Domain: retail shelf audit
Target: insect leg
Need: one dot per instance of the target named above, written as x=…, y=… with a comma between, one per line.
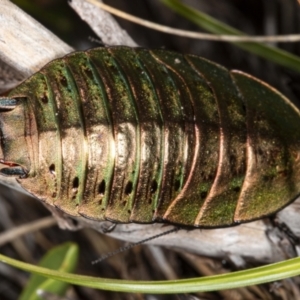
x=7, y=104
x=12, y=169
x=109, y=228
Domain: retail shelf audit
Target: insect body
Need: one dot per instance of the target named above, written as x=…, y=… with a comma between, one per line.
x=136, y=135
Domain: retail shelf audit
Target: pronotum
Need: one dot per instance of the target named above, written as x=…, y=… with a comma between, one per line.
x=136, y=135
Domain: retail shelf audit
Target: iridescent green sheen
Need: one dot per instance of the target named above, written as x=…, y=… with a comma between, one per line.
x=136, y=135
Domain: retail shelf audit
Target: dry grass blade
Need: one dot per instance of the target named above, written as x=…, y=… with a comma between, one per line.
x=288, y=38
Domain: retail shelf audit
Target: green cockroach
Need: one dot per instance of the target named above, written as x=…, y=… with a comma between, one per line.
x=137, y=135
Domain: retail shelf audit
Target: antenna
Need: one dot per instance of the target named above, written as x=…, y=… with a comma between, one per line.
x=125, y=248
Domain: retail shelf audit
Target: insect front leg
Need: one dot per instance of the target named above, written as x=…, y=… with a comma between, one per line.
x=13, y=169
x=7, y=104
x=13, y=119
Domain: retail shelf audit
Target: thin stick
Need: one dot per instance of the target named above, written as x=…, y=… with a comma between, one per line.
x=11, y=234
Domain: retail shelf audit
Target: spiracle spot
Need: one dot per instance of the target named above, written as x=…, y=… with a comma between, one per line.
x=44, y=99
x=128, y=188
x=203, y=194
x=237, y=189
x=63, y=81
x=52, y=169
x=232, y=159
x=75, y=187
x=75, y=182
x=153, y=187
x=177, y=185
x=101, y=187
x=211, y=176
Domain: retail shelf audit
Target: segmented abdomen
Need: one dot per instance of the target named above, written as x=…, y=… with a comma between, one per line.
x=133, y=135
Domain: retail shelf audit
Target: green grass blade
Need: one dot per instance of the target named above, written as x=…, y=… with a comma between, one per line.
x=269, y=273
x=212, y=25
x=61, y=258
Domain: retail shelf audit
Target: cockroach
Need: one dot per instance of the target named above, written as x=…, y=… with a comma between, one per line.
x=143, y=136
